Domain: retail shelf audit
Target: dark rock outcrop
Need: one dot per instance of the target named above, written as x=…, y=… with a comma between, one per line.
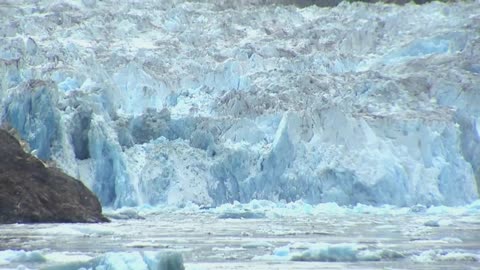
x=31, y=192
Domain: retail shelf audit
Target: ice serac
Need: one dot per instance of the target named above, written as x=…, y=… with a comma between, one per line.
x=182, y=101
x=31, y=109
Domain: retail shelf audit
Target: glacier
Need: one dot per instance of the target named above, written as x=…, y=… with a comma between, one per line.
x=176, y=102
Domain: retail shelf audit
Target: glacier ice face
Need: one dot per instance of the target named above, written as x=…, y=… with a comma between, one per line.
x=31, y=110
x=203, y=102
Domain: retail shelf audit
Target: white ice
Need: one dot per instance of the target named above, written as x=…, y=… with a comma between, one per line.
x=175, y=102
x=324, y=252
x=147, y=260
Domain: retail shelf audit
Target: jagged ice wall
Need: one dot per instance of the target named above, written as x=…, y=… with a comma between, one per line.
x=153, y=102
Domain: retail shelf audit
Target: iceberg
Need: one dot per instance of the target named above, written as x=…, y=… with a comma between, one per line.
x=181, y=102
x=430, y=256
x=323, y=252
x=147, y=260
x=20, y=256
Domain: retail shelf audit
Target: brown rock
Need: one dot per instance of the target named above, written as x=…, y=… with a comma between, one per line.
x=31, y=192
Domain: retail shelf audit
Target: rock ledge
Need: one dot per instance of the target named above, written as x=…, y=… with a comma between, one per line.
x=31, y=192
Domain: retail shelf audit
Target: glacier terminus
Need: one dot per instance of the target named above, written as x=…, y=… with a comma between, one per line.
x=200, y=101
x=175, y=102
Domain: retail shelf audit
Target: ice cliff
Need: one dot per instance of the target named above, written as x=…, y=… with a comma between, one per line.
x=152, y=102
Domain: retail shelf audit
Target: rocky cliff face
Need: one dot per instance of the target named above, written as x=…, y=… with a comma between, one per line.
x=31, y=192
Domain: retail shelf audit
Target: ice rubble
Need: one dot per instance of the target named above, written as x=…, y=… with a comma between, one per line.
x=323, y=252
x=264, y=209
x=176, y=102
x=348, y=252
x=146, y=260
x=429, y=256
x=20, y=256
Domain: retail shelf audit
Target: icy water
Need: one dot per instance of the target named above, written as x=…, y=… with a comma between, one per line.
x=248, y=238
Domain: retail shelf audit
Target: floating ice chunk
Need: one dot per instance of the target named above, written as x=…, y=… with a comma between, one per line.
x=94, y=229
x=74, y=229
x=23, y=267
x=418, y=208
x=279, y=254
x=300, y=208
x=148, y=260
x=241, y=215
x=344, y=252
x=20, y=256
x=474, y=207
x=460, y=256
x=123, y=261
x=257, y=244
x=59, y=230
x=123, y=213
x=451, y=240
x=432, y=223
x=330, y=253
x=429, y=256
x=66, y=257
x=443, y=210
x=383, y=210
x=164, y=260
x=151, y=244
x=282, y=252
x=378, y=255
x=68, y=261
